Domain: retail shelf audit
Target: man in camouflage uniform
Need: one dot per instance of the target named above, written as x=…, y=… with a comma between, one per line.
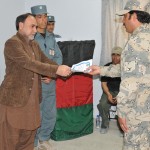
x=133, y=100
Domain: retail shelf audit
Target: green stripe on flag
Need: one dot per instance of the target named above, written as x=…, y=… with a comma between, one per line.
x=73, y=122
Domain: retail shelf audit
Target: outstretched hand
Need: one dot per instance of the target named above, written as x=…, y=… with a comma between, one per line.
x=93, y=70
x=64, y=71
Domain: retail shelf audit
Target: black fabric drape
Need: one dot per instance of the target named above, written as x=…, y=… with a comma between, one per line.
x=75, y=51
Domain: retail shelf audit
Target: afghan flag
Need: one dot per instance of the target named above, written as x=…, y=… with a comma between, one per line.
x=74, y=99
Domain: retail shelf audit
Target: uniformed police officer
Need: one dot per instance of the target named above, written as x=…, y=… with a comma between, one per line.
x=133, y=100
x=48, y=105
x=51, y=27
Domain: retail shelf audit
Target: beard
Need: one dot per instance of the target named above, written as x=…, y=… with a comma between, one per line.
x=31, y=37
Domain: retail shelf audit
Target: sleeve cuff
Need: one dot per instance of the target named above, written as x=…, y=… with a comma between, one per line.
x=121, y=114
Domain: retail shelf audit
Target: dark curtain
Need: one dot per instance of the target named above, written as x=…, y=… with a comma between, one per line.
x=75, y=51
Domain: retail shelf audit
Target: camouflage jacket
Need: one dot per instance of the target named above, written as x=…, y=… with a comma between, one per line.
x=133, y=99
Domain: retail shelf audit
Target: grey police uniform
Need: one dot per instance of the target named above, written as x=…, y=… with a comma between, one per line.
x=48, y=105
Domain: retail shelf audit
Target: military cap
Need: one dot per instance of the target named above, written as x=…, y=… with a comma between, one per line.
x=51, y=18
x=39, y=9
x=117, y=50
x=140, y=5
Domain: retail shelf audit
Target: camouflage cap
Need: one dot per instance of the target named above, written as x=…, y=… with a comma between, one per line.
x=39, y=9
x=117, y=50
x=51, y=18
x=140, y=5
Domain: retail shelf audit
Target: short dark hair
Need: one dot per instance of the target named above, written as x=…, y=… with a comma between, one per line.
x=22, y=18
x=142, y=16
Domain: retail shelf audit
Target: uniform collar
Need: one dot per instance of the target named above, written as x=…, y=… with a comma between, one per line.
x=46, y=32
x=140, y=28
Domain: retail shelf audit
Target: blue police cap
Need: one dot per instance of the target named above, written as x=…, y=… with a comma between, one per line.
x=39, y=9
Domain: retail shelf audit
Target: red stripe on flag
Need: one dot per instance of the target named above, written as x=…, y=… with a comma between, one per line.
x=74, y=91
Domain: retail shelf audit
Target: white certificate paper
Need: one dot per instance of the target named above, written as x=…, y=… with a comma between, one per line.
x=82, y=66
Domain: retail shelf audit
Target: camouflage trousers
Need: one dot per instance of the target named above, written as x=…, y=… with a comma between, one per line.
x=138, y=136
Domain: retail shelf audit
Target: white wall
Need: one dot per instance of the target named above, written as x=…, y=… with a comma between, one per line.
x=9, y=10
x=75, y=20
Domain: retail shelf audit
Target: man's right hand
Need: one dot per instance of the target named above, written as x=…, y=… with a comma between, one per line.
x=64, y=71
x=123, y=124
